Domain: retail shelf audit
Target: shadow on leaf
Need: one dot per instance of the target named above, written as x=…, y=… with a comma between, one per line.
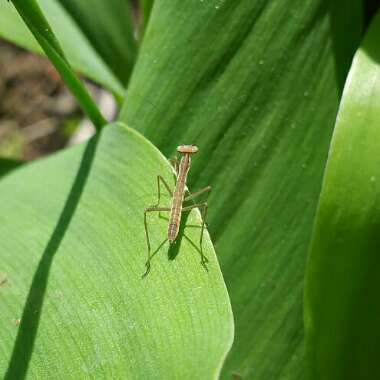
x=24, y=344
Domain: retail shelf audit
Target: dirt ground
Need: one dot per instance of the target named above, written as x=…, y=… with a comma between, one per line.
x=37, y=114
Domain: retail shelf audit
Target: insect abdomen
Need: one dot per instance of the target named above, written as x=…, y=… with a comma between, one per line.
x=175, y=220
x=173, y=231
x=176, y=209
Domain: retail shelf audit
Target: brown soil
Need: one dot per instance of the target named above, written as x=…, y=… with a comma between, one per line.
x=33, y=105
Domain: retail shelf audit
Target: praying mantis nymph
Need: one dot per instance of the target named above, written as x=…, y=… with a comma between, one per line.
x=178, y=197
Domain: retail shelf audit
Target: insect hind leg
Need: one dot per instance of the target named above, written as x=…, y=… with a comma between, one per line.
x=203, y=207
x=197, y=193
x=150, y=209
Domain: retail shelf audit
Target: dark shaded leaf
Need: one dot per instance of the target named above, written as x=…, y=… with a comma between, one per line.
x=108, y=26
x=342, y=308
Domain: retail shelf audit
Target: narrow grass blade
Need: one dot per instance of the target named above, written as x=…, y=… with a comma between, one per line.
x=38, y=25
x=78, y=50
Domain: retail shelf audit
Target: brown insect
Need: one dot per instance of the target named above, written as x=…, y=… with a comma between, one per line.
x=178, y=197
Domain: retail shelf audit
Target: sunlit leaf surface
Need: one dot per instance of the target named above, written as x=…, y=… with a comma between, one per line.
x=73, y=304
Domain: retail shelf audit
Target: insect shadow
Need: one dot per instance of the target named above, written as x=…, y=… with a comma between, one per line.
x=175, y=247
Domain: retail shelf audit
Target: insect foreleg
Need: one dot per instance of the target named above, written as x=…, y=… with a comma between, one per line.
x=159, y=180
x=175, y=163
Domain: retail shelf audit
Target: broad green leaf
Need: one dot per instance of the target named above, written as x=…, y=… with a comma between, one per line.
x=108, y=26
x=73, y=304
x=342, y=305
x=33, y=17
x=76, y=47
x=256, y=85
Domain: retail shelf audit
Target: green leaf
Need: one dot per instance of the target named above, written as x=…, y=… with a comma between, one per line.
x=73, y=252
x=343, y=278
x=256, y=85
x=7, y=165
x=38, y=25
x=145, y=9
x=76, y=47
x=108, y=26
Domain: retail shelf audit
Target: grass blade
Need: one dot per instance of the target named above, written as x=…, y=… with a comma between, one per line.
x=38, y=25
x=78, y=50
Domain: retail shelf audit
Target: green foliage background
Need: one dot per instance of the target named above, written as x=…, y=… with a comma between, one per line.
x=257, y=86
